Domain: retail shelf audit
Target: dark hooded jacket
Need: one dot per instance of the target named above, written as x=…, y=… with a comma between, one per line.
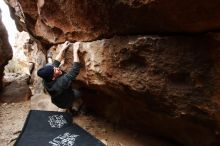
x=60, y=89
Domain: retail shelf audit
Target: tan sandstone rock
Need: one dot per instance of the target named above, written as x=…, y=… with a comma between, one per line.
x=163, y=85
x=55, y=21
x=17, y=89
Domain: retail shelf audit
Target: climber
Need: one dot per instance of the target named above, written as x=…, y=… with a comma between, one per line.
x=58, y=82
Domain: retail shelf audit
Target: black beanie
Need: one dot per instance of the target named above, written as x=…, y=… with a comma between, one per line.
x=46, y=72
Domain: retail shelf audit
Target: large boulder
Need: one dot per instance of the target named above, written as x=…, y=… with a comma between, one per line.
x=168, y=86
x=16, y=88
x=5, y=49
x=164, y=85
x=55, y=21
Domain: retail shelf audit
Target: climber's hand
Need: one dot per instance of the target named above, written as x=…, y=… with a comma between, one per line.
x=76, y=47
x=65, y=46
x=49, y=54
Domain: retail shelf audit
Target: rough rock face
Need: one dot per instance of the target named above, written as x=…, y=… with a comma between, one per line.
x=36, y=56
x=55, y=20
x=164, y=85
x=16, y=88
x=5, y=49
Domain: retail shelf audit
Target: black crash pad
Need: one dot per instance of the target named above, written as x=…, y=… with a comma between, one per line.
x=47, y=128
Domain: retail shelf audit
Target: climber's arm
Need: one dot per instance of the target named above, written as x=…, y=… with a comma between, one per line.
x=75, y=52
x=65, y=81
x=50, y=61
x=74, y=71
x=60, y=55
x=58, y=58
x=49, y=58
x=72, y=74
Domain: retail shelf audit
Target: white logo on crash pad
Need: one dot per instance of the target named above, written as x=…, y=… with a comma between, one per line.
x=57, y=121
x=66, y=139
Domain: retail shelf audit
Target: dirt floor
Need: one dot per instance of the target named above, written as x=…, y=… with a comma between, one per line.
x=116, y=136
x=13, y=115
x=12, y=118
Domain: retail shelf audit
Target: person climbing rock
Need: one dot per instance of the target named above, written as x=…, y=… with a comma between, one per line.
x=58, y=83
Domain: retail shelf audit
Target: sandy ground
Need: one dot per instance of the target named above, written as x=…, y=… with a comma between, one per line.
x=12, y=118
x=116, y=136
x=13, y=115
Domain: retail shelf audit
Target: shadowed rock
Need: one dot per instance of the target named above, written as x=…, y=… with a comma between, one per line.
x=16, y=89
x=168, y=86
x=5, y=49
x=55, y=21
x=164, y=85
